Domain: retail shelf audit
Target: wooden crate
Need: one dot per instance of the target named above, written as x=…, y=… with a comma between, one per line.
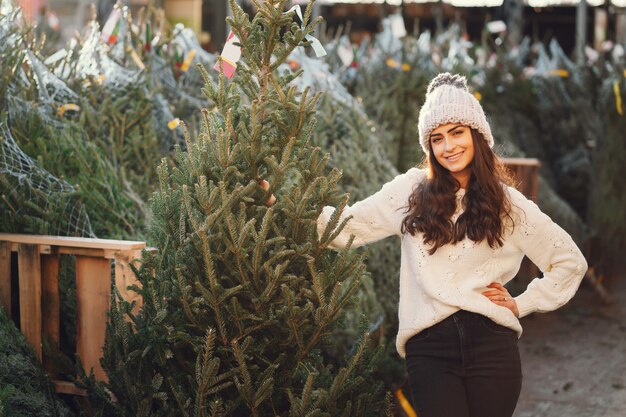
x=525, y=173
x=38, y=282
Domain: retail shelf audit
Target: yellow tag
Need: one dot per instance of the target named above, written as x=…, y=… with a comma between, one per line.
x=101, y=78
x=173, y=124
x=406, y=67
x=404, y=403
x=66, y=107
x=559, y=72
x=392, y=63
x=185, y=66
x=618, y=98
x=478, y=95
x=136, y=59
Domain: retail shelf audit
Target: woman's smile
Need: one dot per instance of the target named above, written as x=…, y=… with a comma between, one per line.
x=453, y=147
x=454, y=157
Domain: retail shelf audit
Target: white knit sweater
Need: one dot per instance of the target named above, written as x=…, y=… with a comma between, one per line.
x=434, y=287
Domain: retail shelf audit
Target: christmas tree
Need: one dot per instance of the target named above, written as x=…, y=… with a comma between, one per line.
x=25, y=390
x=568, y=124
x=241, y=297
x=607, y=199
x=355, y=144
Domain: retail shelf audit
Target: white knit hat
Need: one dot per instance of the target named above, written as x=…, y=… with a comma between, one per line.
x=448, y=101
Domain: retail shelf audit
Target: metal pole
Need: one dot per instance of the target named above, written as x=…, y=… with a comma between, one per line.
x=581, y=32
x=514, y=17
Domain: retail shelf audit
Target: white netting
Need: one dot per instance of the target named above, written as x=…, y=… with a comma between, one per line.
x=184, y=88
x=34, y=198
x=25, y=180
x=318, y=77
x=44, y=96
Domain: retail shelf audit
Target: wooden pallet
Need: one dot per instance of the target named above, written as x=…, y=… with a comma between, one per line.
x=38, y=286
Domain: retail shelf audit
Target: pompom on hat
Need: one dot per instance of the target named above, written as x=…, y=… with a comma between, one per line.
x=449, y=101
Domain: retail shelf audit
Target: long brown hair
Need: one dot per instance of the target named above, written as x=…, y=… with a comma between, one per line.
x=432, y=204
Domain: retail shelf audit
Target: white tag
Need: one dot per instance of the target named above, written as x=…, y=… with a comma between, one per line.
x=346, y=54
x=497, y=26
x=397, y=26
x=591, y=54
x=315, y=43
x=58, y=55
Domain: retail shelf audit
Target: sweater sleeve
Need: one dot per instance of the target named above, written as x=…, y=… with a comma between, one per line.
x=554, y=252
x=376, y=217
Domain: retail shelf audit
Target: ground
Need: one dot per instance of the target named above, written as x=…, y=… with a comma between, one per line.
x=574, y=359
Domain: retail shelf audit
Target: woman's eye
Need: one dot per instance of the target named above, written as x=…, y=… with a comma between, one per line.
x=435, y=140
x=458, y=132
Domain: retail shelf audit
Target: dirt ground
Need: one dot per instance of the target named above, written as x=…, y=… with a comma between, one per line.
x=574, y=359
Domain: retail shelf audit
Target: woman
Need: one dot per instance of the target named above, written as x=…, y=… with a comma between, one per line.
x=463, y=235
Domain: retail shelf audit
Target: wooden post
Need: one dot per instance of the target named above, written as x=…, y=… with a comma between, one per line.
x=50, y=303
x=29, y=269
x=620, y=27
x=93, y=294
x=124, y=277
x=5, y=276
x=437, y=12
x=601, y=22
x=581, y=31
x=514, y=12
x=187, y=12
x=525, y=172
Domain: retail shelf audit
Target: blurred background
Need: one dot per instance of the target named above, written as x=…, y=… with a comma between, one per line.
x=597, y=21
x=92, y=95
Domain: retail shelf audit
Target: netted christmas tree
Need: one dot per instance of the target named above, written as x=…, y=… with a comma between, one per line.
x=568, y=124
x=241, y=297
x=508, y=94
x=33, y=199
x=81, y=128
x=355, y=144
x=391, y=83
x=607, y=199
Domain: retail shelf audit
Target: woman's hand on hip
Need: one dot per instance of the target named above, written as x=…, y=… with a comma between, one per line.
x=500, y=296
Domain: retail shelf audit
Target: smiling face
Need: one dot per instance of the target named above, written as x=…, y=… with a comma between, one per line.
x=453, y=147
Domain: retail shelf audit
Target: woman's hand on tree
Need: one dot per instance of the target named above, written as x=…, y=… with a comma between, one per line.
x=266, y=186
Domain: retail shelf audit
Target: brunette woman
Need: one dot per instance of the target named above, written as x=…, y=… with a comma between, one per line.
x=463, y=235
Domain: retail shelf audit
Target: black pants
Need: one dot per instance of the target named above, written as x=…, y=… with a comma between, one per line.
x=464, y=366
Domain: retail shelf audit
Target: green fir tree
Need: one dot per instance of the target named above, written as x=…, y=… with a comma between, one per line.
x=354, y=143
x=25, y=390
x=241, y=299
x=607, y=199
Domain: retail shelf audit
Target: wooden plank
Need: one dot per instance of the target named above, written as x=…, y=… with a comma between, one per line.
x=93, y=293
x=5, y=276
x=29, y=271
x=75, y=242
x=124, y=277
x=43, y=249
x=521, y=161
x=50, y=301
x=596, y=282
x=96, y=253
x=525, y=171
x=526, y=175
x=64, y=387
x=65, y=250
